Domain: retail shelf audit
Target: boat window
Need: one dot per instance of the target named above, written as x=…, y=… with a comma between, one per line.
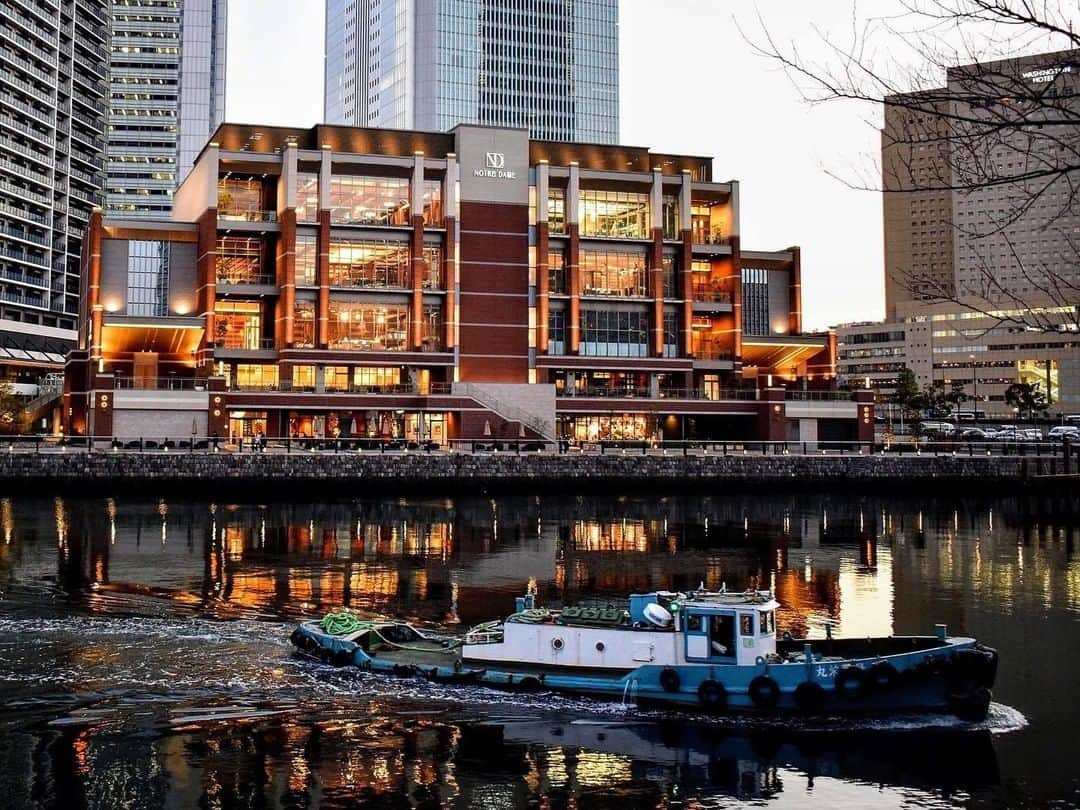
x=693, y=623
x=722, y=635
x=767, y=622
x=746, y=624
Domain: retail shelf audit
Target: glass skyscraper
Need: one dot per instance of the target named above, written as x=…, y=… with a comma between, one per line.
x=166, y=96
x=549, y=66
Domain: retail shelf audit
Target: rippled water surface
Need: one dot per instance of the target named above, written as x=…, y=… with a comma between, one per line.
x=144, y=659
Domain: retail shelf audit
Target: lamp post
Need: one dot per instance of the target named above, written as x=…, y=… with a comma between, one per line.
x=974, y=392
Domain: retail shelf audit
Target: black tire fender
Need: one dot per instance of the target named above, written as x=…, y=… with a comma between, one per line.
x=764, y=692
x=712, y=695
x=810, y=697
x=669, y=679
x=883, y=676
x=971, y=707
x=850, y=683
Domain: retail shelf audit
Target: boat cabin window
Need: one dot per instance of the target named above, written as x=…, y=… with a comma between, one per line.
x=722, y=634
x=746, y=624
x=693, y=623
x=767, y=622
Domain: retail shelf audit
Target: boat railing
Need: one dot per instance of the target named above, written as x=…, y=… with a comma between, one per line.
x=484, y=637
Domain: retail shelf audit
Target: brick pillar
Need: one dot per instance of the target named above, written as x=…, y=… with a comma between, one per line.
x=322, y=278
x=865, y=415
x=573, y=258
x=419, y=266
x=449, y=280
x=217, y=419
x=795, y=293
x=686, y=290
x=206, y=280
x=543, y=288
x=772, y=418
x=285, y=272
x=656, y=288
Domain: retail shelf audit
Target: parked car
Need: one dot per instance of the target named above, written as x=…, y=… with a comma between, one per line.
x=977, y=434
x=939, y=429
x=1015, y=434
x=1062, y=432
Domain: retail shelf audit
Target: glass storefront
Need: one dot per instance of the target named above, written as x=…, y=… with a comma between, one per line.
x=363, y=200
x=387, y=425
x=615, y=273
x=620, y=214
x=609, y=427
x=368, y=327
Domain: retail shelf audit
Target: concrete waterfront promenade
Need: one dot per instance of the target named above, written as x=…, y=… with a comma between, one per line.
x=464, y=470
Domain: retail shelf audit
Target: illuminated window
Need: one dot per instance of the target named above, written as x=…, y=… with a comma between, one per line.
x=615, y=214
x=148, y=277
x=307, y=250
x=358, y=200
x=368, y=327
x=615, y=273
x=307, y=197
x=304, y=324
x=369, y=264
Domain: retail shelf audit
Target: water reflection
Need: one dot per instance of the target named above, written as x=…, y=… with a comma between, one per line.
x=115, y=667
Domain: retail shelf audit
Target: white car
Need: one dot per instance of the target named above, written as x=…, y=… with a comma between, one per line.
x=1015, y=434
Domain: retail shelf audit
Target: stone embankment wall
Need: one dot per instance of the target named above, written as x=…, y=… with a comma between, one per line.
x=418, y=472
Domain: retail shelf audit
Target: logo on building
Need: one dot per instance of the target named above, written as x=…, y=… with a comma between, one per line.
x=495, y=167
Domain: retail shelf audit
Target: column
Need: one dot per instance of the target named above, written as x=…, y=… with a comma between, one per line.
x=418, y=265
x=543, y=291
x=450, y=279
x=656, y=262
x=573, y=198
x=322, y=265
x=686, y=287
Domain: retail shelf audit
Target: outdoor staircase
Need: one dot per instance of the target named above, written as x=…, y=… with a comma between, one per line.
x=530, y=405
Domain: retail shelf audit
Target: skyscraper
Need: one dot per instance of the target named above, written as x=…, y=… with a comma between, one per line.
x=52, y=78
x=166, y=95
x=549, y=66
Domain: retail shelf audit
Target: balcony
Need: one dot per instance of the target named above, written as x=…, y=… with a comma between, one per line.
x=231, y=215
x=709, y=294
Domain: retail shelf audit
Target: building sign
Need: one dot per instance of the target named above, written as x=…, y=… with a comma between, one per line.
x=495, y=166
x=1046, y=75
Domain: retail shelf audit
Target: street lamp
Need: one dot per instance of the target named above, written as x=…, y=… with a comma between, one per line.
x=974, y=391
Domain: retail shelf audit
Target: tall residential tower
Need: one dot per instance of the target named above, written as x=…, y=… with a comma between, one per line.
x=52, y=79
x=548, y=66
x=166, y=95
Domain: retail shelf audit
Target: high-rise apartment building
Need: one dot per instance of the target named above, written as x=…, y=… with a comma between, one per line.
x=166, y=95
x=548, y=66
x=53, y=63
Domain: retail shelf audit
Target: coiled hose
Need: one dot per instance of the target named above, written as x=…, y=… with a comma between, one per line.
x=342, y=623
x=530, y=616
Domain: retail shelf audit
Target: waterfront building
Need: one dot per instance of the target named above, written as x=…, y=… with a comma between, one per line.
x=340, y=281
x=166, y=96
x=549, y=67
x=949, y=343
x=52, y=82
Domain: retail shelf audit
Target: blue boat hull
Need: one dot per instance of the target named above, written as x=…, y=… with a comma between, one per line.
x=955, y=676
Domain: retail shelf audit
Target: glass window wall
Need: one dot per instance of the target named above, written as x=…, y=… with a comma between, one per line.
x=307, y=197
x=556, y=331
x=376, y=379
x=671, y=216
x=558, y=284
x=307, y=255
x=252, y=376
x=303, y=378
x=304, y=324
x=240, y=261
x=360, y=200
x=621, y=214
x=433, y=207
x=433, y=263
x=431, y=331
x=238, y=325
x=335, y=378
x=148, y=277
x=368, y=327
x=608, y=333
x=671, y=334
x=242, y=199
x=615, y=273
x=556, y=210
x=369, y=263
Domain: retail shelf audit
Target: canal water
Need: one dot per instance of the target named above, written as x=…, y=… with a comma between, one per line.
x=144, y=659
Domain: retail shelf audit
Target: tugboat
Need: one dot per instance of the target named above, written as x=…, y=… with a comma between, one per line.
x=713, y=651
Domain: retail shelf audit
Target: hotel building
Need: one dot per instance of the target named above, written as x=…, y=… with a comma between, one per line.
x=551, y=68
x=1002, y=250
x=424, y=286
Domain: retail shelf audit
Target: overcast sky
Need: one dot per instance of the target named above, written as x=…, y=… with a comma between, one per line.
x=689, y=83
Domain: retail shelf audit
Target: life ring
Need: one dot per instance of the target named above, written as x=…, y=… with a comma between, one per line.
x=556, y=644
x=764, y=691
x=529, y=684
x=850, y=683
x=712, y=695
x=669, y=679
x=883, y=676
x=810, y=697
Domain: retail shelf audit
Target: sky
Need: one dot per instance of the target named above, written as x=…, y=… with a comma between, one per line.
x=689, y=83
